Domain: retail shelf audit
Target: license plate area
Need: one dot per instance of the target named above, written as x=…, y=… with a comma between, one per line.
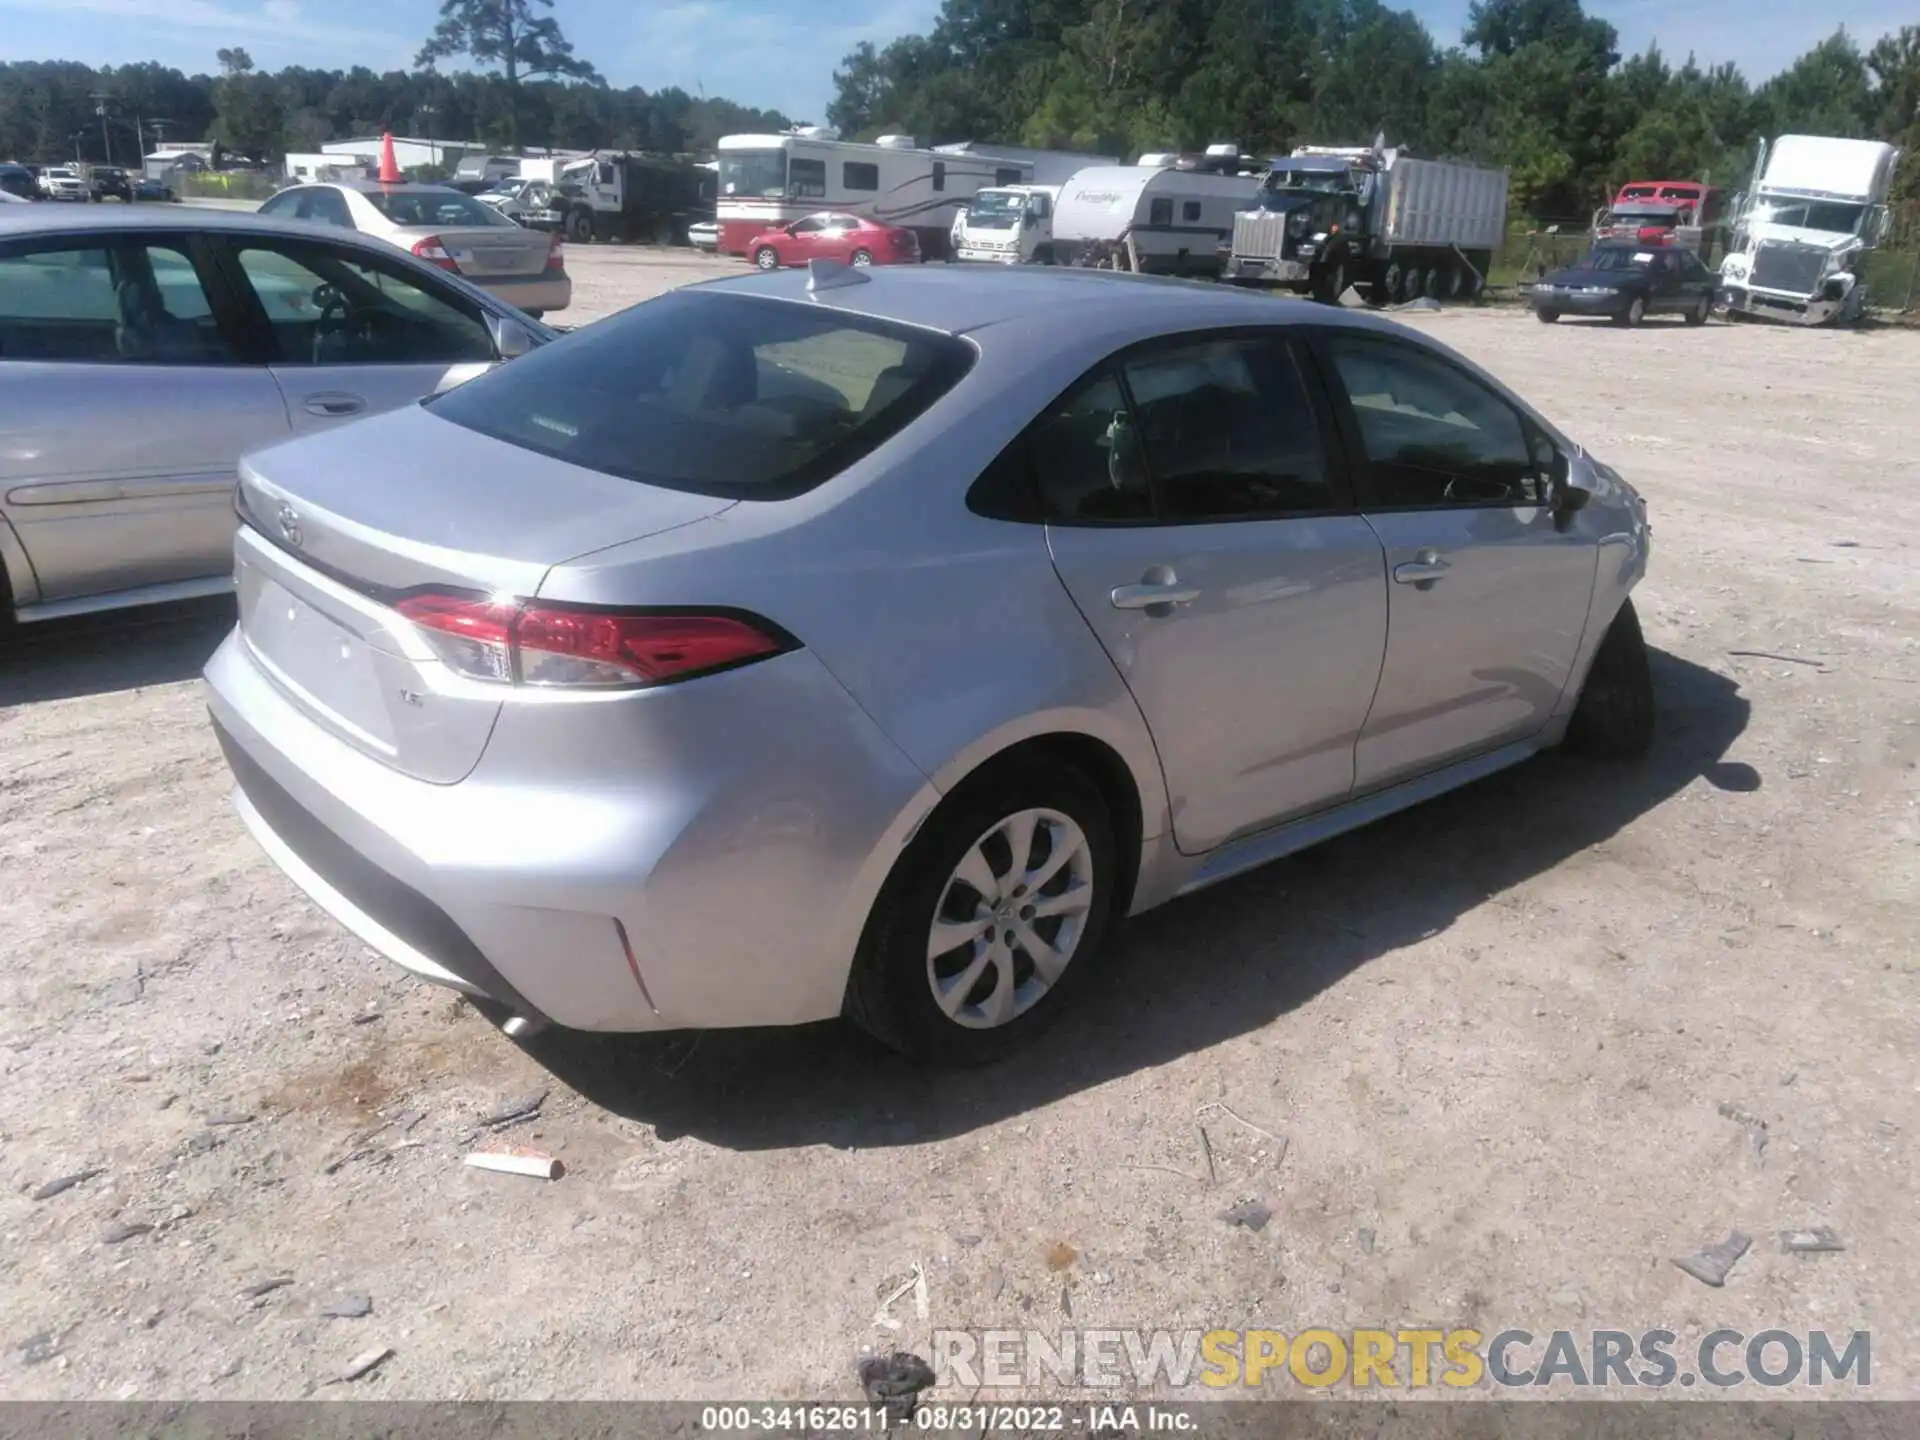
x=328, y=669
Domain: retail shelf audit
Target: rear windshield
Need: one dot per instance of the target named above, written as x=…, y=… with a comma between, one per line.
x=728, y=395
x=433, y=207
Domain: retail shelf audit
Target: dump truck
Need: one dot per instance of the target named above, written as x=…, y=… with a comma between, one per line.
x=1374, y=218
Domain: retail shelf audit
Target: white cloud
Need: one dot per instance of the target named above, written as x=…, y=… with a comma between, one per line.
x=277, y=24
x=781, y=55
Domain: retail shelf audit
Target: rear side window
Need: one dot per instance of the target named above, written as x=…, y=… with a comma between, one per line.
x=724, y=395
x=426, y=208
x=859, y=175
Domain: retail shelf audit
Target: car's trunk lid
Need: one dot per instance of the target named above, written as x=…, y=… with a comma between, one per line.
x=488, y=251
x=341, y=526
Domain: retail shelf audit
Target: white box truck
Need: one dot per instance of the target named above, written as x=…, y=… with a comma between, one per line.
x=1802, y=238
x=1374, y=218
x=1008, y=225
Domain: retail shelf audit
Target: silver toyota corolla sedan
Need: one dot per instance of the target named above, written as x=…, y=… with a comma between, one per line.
x=873, y=642
x=142, y=351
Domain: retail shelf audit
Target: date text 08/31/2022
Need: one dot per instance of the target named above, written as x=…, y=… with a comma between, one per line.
x=972, y=1419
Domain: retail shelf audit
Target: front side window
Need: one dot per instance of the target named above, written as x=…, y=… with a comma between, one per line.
x=807, y=177
x=860, y=175
x=722, y=395
x=1434, y=436
x=1228, y=431
x=130, y=303
x=339, y=307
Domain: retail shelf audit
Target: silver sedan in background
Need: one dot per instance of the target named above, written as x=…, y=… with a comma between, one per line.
x=871, y=643
x=143, y=351
x=446, y=228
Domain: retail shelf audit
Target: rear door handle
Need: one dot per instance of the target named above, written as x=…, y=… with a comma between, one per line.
x=1148, y=594
x=1423, y=571
x=335, y=403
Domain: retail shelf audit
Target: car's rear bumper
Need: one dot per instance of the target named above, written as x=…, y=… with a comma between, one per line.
x=545, y=293
x=619, y=864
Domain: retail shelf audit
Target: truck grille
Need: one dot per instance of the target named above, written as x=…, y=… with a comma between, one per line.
x=1259, y=236
x=1788, y=267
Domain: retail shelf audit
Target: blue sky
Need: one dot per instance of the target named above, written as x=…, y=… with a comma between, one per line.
x=773, y=52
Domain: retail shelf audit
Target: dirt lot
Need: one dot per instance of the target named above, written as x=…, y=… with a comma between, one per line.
x=1497, y=1034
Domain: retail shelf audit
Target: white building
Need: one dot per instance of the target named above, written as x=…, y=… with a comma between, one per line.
x=408, y=151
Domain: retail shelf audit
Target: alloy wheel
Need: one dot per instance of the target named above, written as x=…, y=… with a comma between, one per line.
x=1010, y=918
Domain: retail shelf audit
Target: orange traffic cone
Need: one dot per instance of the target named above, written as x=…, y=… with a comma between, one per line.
x=389, y=167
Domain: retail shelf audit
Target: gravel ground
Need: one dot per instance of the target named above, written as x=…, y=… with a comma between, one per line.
x=1500, y=1036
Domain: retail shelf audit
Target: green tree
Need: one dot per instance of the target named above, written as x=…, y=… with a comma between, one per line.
x=1825, y=92
x=510, y=34
x=248, y=116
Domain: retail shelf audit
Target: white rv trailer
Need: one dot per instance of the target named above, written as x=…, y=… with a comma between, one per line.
x=1158, y=218
x=769, y=180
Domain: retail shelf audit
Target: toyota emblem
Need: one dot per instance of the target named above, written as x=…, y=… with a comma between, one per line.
x=290, y=524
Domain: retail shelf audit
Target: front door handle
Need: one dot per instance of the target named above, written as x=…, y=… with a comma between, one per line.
x=335, y=403
x=1422, y=572
x=1157, y=593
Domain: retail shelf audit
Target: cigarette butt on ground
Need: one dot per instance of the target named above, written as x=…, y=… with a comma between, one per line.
x=536, y=1163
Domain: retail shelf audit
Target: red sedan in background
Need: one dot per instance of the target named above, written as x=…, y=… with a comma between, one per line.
x=833, y=236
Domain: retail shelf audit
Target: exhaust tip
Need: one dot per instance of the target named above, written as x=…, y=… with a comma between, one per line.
x=524, y=1027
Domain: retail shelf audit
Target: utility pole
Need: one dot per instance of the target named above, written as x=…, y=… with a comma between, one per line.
x=100, y=99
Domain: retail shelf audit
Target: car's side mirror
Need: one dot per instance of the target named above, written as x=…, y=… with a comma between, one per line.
x=511, y=339
x=1568, y=500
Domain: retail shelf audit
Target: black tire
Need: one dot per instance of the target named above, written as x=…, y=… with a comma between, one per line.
x=862, y=258
x=1614, y=718
x=1631, y=317
x=1698, y=315
x=1412, y=283
x=1392, y=277
x=1546, y=317
x=1330, y=283
x=889, y=993
x=767, y=258
x=579, y=227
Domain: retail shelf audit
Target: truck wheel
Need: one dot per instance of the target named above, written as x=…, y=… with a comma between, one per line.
x=767, y=258
x=580, y=227
x=1330, y=283
x=1409, y=284
x=1391, y=279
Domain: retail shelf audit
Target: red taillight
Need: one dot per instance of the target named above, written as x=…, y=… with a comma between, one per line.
x=565, y=645
x=556, y=260
x=434, y=253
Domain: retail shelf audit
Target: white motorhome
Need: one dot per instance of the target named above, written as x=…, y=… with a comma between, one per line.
x=770, y=180
x=1160, y=218
x=1009, y=225
x=1802, y=238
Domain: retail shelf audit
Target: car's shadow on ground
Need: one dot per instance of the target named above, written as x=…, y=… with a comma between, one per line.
x=1186, y=976
x=118, y=650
